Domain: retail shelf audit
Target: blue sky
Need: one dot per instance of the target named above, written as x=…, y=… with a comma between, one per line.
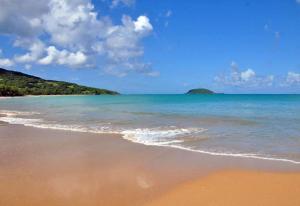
x=165, y=46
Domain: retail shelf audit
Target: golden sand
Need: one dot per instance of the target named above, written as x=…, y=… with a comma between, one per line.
x=60, y=168
x=236, y=188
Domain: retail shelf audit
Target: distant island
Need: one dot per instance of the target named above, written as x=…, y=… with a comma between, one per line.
x=200, y=91
x=14, y=83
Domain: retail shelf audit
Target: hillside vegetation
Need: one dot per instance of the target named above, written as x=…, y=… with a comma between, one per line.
x=200, y=91
x=19, y=84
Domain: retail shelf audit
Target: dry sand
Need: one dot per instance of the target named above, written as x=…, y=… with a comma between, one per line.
x=236, y=188
x=49, y=167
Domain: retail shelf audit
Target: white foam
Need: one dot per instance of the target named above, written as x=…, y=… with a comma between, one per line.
x=241, y=155
x=17, y=120
x=76, y=128
x=10, y=113
x=158, y=136
x=39, y=123
x=142, y=136
x=153, y=137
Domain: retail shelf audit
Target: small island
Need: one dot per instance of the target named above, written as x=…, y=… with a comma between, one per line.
x=14, y=83
x=200, y=91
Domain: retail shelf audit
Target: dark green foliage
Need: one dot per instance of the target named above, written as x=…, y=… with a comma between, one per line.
x=18, y=84
x=9, y=91
x=200, y=91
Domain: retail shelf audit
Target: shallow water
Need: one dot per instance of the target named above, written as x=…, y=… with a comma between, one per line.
x=254, y=126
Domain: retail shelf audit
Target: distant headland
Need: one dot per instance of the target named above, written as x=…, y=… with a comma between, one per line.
x=14, y=83
x=200, y=91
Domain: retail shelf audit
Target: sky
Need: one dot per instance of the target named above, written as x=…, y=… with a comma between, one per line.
x=156, y=46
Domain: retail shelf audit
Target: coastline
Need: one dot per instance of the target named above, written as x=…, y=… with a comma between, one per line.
x=10, y=117
x=52, y=167
x=50, y=95
x=57, y=95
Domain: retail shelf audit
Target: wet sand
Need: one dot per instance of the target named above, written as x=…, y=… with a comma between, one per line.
x=50, y=167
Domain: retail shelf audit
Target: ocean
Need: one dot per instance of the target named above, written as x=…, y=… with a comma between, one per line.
x=244, y=126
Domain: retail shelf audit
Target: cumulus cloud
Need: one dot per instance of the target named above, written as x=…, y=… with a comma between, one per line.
x=71, y=33
x=73, y=24
x=4, y=62
x=293, y=78
x=142, y=24
x=63, y=57
x=244, y=78
x=35, y=50
x=122, y=43
x=247, y=75
x=22, y=18
x=122, y=47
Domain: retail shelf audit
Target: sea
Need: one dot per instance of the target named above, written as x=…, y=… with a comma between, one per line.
x=264, y=126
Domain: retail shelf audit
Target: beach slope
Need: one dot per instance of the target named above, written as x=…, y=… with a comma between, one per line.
x=235, y=188
x=53, y=168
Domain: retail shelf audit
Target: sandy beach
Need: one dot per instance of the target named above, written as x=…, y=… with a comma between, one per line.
x=149, y=103
x=50, y=167
x=236, y=188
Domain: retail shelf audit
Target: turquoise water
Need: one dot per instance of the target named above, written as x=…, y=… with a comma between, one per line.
x=253, y=126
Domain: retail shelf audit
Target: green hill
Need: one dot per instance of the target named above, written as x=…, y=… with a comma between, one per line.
x=14, y=83
x=200, y=91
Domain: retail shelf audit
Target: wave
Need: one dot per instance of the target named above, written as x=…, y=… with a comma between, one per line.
x=160, y=136
x=38, y=123
x=11, y=113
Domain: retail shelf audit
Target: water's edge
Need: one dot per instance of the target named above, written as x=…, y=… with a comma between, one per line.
x=12, y=117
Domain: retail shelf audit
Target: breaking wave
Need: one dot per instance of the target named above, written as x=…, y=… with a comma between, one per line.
x=172, y=136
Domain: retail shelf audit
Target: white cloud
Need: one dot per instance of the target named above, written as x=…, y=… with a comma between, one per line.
x=247, y=75
x=249, y=78
x=20, y=17
x=71, y=32
x=298, y=1
x=246, y=78
x=116, y=3
x=153, y=74
x=35, y=47
x=63, y=57
x=142, y=24
x=4, y=62
x=293, y=78
x=122, y=47
x=74, y=24
x=143, y=68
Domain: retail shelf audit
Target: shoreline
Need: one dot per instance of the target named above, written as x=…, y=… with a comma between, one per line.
x=57, y=95
x=123, y=136
x=253, y=162
x=52, y=167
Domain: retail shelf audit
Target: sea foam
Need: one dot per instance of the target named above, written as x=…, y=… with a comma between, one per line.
x=159, y=136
